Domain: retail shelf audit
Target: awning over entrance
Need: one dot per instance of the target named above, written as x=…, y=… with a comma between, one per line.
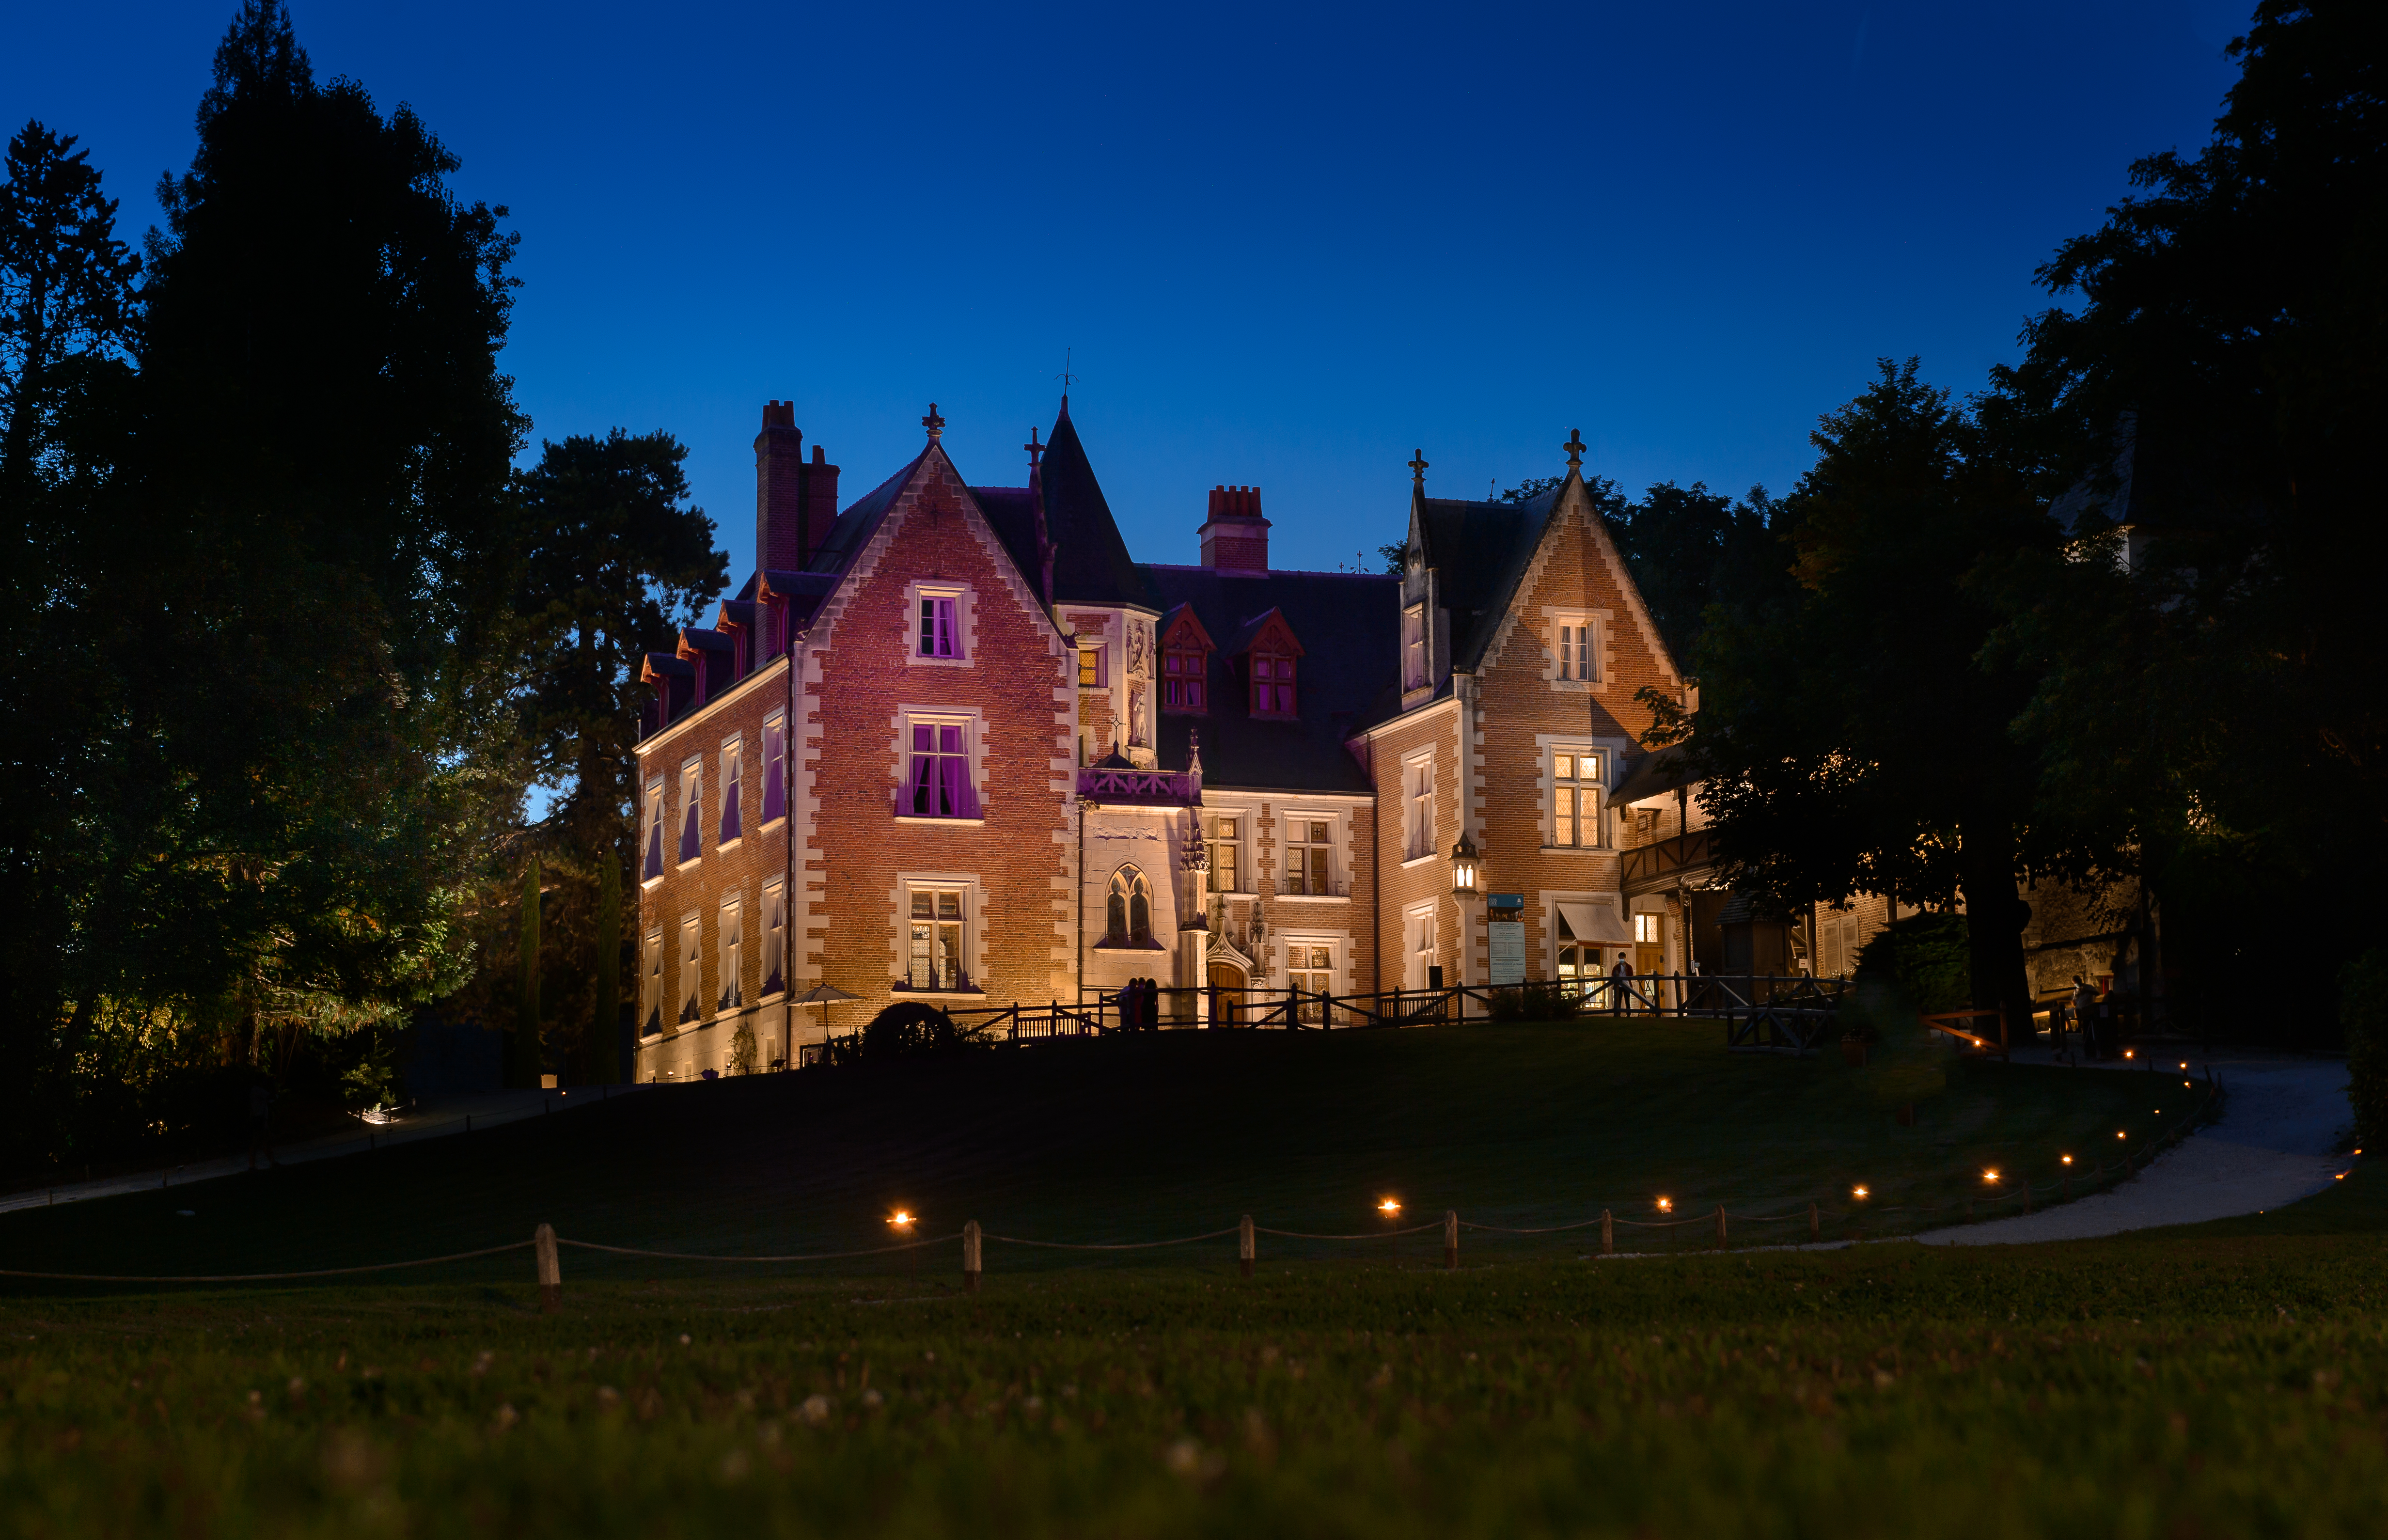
x=1597, y=923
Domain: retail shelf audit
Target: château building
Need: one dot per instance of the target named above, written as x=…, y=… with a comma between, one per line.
x=953, y=742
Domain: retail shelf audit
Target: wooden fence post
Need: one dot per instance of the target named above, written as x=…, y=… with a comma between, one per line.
x=1721, y=1241
x=1815, y=1231
x=970, y=1256
x=1451, y=1239
x=1246, y=1245
x=550, y=1274
x=1608, y=1234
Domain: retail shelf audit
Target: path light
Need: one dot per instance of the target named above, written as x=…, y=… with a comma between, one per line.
x=900, y=1219
x=2127, y=1053
x=2184, y=1084
x=1990, y=1175
x=2184, y=1063
x=1390, y=1207
x=2066, y=1159
x=2120, y=1133
x=1666, y=1206
x=1856, y=1192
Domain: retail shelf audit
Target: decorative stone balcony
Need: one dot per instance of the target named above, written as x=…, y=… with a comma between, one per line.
x=1141, y=788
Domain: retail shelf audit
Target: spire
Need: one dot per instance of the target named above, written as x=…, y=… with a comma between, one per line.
x=934, y=424
x=1574, y=447
x=1417, y=469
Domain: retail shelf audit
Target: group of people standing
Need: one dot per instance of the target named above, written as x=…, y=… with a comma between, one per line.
x=2089, y=1013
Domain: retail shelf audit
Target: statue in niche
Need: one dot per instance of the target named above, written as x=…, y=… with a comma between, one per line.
x=1138, y=639
x=1135, y=730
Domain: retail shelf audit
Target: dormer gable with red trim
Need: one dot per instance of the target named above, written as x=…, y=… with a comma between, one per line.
x=1186, y=650
x=1263, y=650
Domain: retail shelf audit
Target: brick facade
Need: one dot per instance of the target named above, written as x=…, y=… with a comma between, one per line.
x=963, y=805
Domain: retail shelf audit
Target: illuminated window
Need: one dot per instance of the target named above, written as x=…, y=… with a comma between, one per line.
x=775, y=939
x=937, y=780
x=1311, y=970
x=651, y=865
x=1271, y=686
x=692, y=961
x=733, y=948
x=1417, y=799
x=1575, y=799
x=1645, y=929
x=650, y=984
x=1090, y=667
x=1414, y=647
x=692, y=799
x=1222, y=841
x=941, y=631
x=1305, y=859
x=1182, y=671
x=1576, y=646
x=939, y=922
x=775, y=768
x=733, y=825
x=1416, y=966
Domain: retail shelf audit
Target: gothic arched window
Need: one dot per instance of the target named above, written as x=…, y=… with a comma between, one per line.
x=1130, y=910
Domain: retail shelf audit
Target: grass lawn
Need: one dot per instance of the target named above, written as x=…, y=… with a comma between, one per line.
x=1175, y=1133
x=2220, y=1380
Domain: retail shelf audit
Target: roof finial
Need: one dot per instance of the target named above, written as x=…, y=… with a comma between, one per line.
x=1574, y=447
x=934, y=424
x=1418, y=468
x=1032, y=447
x=1065, y=377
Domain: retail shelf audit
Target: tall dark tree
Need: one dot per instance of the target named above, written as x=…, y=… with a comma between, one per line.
x=2217, y=385
x=1689, y=547
x=1852, y=737
x=67, y=289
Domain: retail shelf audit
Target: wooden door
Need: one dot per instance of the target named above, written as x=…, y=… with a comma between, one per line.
x=1226, y=994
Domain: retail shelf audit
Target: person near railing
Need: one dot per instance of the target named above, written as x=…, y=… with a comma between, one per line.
x=1620, y=986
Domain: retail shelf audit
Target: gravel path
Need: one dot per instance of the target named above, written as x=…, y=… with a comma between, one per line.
x=2270, y=1147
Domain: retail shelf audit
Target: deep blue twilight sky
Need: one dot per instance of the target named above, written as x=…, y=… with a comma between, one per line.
x=1287, y=245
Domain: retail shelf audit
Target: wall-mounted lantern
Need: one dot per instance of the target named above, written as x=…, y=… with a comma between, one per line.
x=1464, y=880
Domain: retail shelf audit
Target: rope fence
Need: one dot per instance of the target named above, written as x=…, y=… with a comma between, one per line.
x=546, y=1243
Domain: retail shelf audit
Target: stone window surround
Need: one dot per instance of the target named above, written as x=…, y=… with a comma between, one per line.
x=965, y=599
x=1338, y=848
x=1410, y=761
x=973, y=929
x=972, y=721
x=1555, y=616
x=691, y=796
x=1611, y=751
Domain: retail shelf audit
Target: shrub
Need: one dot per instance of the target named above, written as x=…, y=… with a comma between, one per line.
x=907, y=1029
x=1927, y=957
x=2363, y=1010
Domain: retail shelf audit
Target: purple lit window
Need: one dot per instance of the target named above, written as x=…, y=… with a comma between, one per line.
x=938, y=785
x=654, y=859
x=775, y=771
x=732, y=828
x=691, y=838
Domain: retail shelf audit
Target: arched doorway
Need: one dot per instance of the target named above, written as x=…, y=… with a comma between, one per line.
x=1227, y=984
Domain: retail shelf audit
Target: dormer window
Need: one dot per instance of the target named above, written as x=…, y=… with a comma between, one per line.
x=1186, y=650
x=1414, y=647
x=1272, y=684
x=1183, y=670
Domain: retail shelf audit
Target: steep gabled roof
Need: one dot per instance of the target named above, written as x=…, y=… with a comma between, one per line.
x=1479, y=552
x=1090, y=564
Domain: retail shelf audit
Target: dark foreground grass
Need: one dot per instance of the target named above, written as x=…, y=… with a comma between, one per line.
x=2196, y=1383
x=1173, y=1134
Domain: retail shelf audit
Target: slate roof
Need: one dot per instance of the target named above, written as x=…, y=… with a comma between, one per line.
x=1481, y=552
x=1349, y=626
x=1091, y=564
x=1657, y=775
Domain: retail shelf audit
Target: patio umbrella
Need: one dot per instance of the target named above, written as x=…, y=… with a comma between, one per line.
x=820, y=994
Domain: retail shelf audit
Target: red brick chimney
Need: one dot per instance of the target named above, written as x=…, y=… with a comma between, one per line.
x=1234, y=538
x=794, y=502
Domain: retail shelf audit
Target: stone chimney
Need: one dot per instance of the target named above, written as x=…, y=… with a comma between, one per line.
x=1234, y=538
x=794, y=502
